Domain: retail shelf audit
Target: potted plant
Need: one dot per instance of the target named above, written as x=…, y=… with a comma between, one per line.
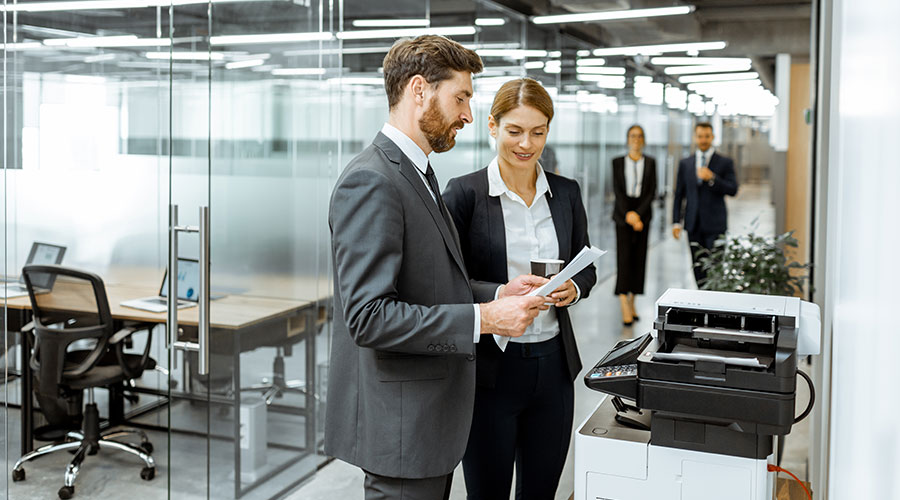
x=751, y=263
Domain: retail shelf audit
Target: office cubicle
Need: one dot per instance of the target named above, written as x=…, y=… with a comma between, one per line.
x=116, y=111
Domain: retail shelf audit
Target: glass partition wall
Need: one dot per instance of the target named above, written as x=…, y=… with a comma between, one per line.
x=208, y=136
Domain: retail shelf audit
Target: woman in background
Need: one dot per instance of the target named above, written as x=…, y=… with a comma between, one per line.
x=507, y=214
x=634, y=184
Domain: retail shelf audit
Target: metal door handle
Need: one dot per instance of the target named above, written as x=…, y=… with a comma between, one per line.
x=202, y=346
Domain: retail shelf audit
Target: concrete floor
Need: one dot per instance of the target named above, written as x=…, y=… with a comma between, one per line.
x=181, y=458
x=598, y=325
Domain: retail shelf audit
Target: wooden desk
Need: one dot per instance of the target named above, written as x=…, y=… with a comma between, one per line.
x=273, y=321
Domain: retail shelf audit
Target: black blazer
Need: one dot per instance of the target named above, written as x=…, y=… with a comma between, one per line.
x=644, y=206
x=705, y=208
x=479, y=221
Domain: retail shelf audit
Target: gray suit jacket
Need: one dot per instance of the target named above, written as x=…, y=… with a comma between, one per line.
x=402, y=379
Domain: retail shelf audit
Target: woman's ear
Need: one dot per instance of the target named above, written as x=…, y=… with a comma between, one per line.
x=492, y=125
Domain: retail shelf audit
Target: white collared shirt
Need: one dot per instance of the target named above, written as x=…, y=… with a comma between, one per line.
x=530, y=234
x=699, y=155
x=634, y=176
x=420, y=160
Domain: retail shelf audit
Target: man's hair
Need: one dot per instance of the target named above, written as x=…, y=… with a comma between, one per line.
x=703, y=125
x=522, y=92
x=434, y=57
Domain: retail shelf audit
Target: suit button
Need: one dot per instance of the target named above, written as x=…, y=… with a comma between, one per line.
x=453, y=348
x=446, y=348
x=431, y=347
x=470, y=357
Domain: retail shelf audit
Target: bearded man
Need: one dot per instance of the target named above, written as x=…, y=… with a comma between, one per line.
x=402, y=380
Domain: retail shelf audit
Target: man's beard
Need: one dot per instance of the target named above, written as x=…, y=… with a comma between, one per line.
x=435, y=128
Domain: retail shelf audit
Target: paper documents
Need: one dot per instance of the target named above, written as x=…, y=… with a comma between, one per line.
x=585, y=257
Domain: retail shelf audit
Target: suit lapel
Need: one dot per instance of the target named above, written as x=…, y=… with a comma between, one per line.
x=497, y=234
x=561, y=222
x=408, y=171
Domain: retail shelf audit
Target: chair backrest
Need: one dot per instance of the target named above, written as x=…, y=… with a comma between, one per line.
x=75, y=308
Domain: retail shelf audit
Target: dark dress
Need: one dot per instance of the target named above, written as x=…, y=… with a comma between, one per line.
x=631, y=245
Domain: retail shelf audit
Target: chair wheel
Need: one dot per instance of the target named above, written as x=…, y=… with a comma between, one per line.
x=18, y=475
x=66, y=492
x=147, y=447
x=147, y=473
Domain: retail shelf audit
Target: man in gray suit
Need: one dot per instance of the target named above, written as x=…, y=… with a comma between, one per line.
x=402, y=379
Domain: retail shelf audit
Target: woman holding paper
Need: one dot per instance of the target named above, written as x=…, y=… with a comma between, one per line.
x=508, y=214
x=634, y=183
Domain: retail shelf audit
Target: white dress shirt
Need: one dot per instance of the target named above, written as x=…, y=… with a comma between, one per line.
x=634, y=176
x=530, y=234
x=420, y=160
x=699, y=158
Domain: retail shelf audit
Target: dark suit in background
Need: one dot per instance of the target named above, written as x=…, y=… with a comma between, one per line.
x=705, y=215
x=402, y=382
x=631, y=245
x=510, y=420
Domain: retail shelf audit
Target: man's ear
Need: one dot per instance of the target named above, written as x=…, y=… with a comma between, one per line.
x=417, y=86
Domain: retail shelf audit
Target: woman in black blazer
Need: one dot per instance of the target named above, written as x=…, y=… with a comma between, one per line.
x=507, y=214
x=634, y=184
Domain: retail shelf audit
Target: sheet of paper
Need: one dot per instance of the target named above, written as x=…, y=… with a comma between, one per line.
x=585, y=257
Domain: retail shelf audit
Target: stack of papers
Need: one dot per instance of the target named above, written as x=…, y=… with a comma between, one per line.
x=585, y=257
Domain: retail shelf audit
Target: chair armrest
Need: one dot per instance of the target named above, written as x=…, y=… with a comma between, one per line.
x=122, y=335
x=28, y=327
x=132, y=372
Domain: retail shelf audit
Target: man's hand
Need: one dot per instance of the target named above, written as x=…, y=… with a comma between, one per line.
x=521, y=285
x=632, y=218
x=565, y=294
x=676, y=232
x=510, y=316
x=706, y=174
x=639, y=226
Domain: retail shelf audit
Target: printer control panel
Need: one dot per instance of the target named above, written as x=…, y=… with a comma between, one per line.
x=607, y=372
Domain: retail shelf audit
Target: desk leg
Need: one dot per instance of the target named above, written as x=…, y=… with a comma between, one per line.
x=236, y=381
x=311, y=329
x=27, y=420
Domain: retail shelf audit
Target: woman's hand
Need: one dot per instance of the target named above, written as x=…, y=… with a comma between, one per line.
x=565, y=294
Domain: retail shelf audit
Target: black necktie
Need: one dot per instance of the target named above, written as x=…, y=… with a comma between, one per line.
x=433, y=184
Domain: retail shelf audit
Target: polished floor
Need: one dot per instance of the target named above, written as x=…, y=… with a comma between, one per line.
x=181, y=457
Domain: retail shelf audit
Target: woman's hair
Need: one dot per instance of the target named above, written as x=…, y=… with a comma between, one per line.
x=628, y=132
x=523, y=91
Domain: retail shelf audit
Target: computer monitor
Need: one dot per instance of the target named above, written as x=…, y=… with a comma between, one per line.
x=188, y=280
x=44, y=254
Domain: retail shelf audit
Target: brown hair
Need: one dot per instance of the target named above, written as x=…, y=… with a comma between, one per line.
x=703, y=125
x=523, y=91
x=434, y=57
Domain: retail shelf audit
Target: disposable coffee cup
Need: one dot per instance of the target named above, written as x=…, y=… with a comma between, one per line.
x=546, y=267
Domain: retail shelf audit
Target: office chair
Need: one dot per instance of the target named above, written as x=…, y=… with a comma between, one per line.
x=278, y=385
x=71, y=305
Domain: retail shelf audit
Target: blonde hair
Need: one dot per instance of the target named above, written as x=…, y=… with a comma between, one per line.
x=523, y=91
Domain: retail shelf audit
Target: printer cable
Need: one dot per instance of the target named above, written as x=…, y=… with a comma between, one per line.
x=776, y=469
x=812, y=396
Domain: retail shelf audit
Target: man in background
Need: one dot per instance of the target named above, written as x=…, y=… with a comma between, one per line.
x=702, y=182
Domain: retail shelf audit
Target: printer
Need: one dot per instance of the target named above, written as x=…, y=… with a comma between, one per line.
x=692, y=408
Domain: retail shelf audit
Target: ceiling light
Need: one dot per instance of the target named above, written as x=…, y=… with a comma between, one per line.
x=271, y=38
x=553, y=70
x=599, y=70
x=604, y=81
x=12, y=47
x=109, y=41
x=591, y=61
x=511, y=53
x=554, y=53
x=583, y=53
x=247, y=63
x=691, y=61
x=298, y=71
x=390, y=23
x=186, y=56
x=722, y=77
x=659, y=49
x=490, y=21
x=533, y=65
x=100, y=58
x=105, y=4
x=706, y=68
x=356, y=81
x=612, y=15
x=406, y=32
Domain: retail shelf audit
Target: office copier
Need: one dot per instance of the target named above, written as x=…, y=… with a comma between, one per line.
x=692, y=408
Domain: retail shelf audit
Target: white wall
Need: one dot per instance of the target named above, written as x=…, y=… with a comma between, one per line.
x=863, y=270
